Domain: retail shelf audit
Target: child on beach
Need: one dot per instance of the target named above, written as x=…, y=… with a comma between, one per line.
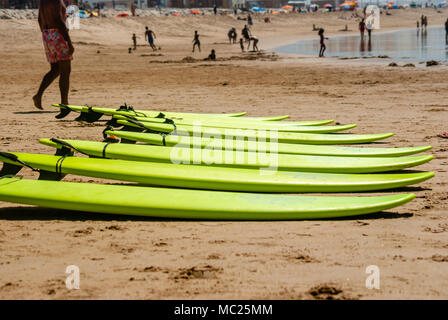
x=196, y=41
x=134, y=40
x=322, y=44
x=211, y=56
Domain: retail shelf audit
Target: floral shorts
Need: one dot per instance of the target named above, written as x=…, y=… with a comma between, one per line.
x=56, y=48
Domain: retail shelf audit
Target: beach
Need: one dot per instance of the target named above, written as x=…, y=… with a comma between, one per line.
x=134, y=258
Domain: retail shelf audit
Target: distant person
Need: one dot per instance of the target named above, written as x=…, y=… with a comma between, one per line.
x=134, y=41
x=362, y=27
x=215, y=9
x=255, y=42
x=418, y=25
x=323, y=47
x=426, y=22
x=249, y=20
x=196, y=41
x=446, y=30
x=246, y=33
x=133, y=7
x=211, y=56
x=231, y=35
x=369, y=26
x=241, y=45
x=422, y=21
x=58, y=48
x=234, y=36
x=150, y=36
x=98, y=9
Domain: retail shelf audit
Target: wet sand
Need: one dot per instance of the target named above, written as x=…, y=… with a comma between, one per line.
x=134, y=258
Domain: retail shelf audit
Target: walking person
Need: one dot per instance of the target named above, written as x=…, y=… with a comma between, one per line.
x=246, y=33
x=150, y=36
x=362, y=28
x=369, y=26
x=323, y=47
x=196, y=41
x=58, y=49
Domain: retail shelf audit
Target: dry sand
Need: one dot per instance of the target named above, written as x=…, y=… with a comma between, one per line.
x=123, y=257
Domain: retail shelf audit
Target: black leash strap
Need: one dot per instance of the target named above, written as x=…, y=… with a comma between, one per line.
x=68, y=145
x=104, y=149
x=59, y=165
x=14, y=158
x=160, y=115
x=170, y=121
x=127, y=108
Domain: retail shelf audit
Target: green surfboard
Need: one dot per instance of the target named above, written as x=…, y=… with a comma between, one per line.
x=211, y=178
x=282, y=137
x=166, y=114
x=189, y=204
x=291, y=148
x=207, y=126
x=239, y=159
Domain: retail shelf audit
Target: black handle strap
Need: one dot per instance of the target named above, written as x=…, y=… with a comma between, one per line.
x=15, y=158
x=68, y=145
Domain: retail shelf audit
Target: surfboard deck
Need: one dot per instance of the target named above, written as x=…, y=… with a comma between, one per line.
x=213, y=178
x=239, y=159
x=205, y=127
x=289, y=148
x=189, y=204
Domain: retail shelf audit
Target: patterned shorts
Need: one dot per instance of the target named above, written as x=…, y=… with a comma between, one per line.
x=56, y=48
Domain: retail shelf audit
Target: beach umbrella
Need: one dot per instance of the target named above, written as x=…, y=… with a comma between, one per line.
x=287, y=7
x=258, y=9
x=122, y=15
x=442, y=4
x=275, y=12
x=328, y=5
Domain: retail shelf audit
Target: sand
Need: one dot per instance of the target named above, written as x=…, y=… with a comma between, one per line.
x=134, y=258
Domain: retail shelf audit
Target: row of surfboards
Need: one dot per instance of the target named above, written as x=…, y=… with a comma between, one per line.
x=214, y=166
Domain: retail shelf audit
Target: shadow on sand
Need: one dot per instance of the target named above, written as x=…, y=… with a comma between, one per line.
x=34, y=112
x=44, y=214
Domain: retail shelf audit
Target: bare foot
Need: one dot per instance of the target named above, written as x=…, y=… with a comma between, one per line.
x=38, y=102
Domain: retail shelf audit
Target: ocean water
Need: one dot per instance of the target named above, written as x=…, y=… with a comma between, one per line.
x=403, y=45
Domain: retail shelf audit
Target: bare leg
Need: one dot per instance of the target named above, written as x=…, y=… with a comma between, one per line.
x=64, y=85
x=46, y=81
